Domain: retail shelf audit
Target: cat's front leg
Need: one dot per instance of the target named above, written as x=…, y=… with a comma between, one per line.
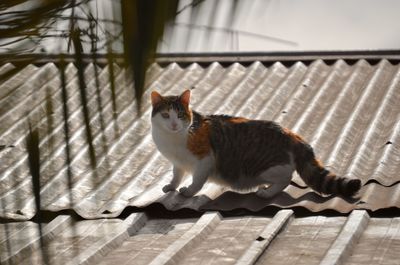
x=200, y=175
x=176, y=179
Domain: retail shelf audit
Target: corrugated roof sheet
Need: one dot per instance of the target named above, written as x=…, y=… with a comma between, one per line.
x=350, y=113
x=209, y=239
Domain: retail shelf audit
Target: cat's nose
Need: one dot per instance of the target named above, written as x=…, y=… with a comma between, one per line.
x=174, y=126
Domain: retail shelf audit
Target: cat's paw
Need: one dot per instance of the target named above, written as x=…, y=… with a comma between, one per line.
x=185, y=191
x=168, y=187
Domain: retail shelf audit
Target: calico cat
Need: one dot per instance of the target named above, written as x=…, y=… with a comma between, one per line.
x=235, y=151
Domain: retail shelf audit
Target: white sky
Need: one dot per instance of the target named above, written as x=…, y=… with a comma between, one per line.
x=306, y=24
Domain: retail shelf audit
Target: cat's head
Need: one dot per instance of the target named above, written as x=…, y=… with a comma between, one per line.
x=171, y=113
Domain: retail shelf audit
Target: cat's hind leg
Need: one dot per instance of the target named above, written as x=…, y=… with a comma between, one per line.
x=277, y=178
x=178, y=174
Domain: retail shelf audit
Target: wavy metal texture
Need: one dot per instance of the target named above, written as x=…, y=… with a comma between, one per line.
x=209, y=239
x=349, y=113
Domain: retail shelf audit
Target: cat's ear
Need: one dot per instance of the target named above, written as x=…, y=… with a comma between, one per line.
x=155, y=98
x=185, y=97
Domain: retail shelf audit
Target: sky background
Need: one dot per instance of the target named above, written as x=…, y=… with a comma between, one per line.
x=285, y=25
x=254, y=26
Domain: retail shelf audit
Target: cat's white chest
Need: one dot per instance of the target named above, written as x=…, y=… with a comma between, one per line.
x=174, y=148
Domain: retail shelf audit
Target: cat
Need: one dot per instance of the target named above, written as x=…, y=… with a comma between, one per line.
x=234, y=151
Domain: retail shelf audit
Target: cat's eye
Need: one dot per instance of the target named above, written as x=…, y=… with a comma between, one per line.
x=165, y=115
x=180, y=115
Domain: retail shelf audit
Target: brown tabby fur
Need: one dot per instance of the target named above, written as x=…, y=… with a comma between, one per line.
x=243, y=153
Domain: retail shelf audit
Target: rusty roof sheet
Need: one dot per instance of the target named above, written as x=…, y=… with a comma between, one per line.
x=282, y=238
x=350, y=113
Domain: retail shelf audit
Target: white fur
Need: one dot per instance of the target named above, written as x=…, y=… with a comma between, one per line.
x=277, y=178
x=171, y=141
x=173, y=145
x=171, y=124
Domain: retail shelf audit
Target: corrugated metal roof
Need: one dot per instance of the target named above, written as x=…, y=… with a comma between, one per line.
x=348, y=112
x=209, y=239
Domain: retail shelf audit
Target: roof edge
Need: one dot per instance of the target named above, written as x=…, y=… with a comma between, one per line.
x=206, y=58
x=290, y=56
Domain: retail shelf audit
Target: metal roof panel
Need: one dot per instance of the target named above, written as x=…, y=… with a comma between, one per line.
x=348, y=112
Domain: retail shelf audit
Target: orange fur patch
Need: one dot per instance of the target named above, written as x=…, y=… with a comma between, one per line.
x=298, y=139
x=318, y=163
x=238, y=120
x=295, y=137
x=199, y=142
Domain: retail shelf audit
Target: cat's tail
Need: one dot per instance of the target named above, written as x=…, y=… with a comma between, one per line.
x=317, y=177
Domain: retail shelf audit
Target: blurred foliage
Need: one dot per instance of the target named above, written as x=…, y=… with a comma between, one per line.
x=36, y=16
x=142, y=23
x=137, y=29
